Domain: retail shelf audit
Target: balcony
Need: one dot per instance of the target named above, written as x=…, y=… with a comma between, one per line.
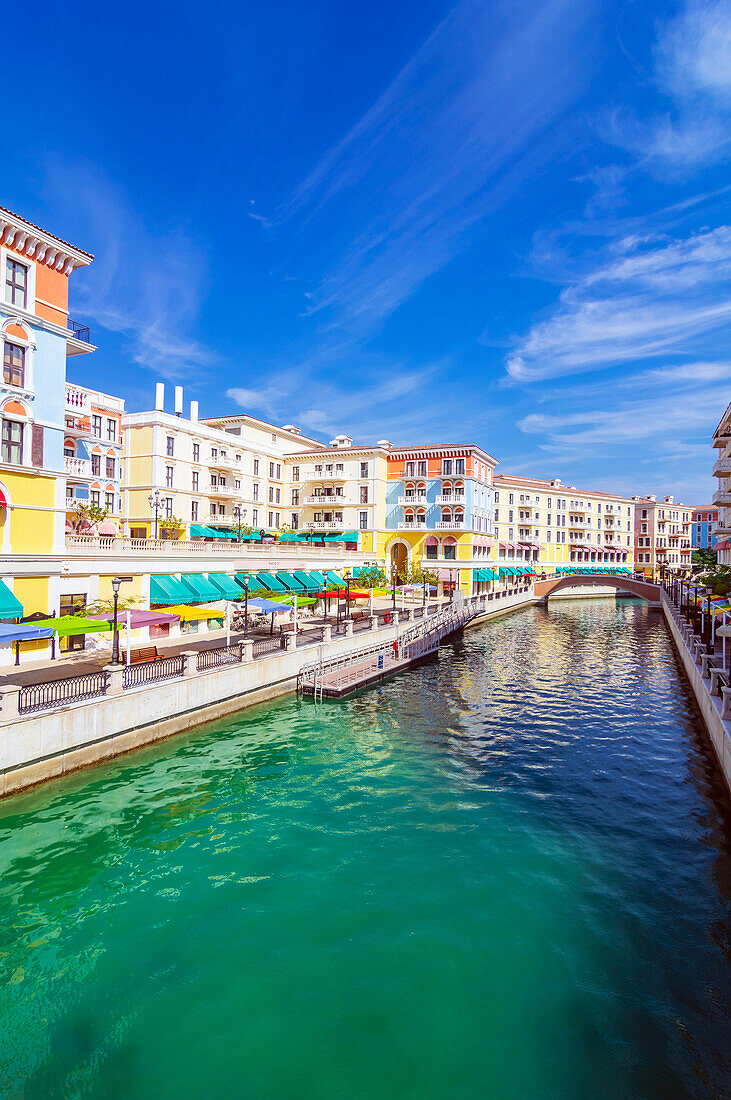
x=325, y=501
x=78, y=426
x=78, y=468
x=723, y=496
x=228, y=463
x=723, y=530
x=325, y=525
x=410, y=500
x=226, y=491
x=77, y=401
x=313, y=475
x=419, y=525
x=449, y=499
x=722, y=468
x=449, y=525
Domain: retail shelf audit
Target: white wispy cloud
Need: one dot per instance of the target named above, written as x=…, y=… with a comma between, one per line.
x=146, y=286
x=649, y=296
x=692, y=74
x=472, y=116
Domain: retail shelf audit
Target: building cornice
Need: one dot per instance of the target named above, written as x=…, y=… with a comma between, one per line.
x=37, y=244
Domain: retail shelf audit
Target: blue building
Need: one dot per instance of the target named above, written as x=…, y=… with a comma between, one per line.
x=704, y=524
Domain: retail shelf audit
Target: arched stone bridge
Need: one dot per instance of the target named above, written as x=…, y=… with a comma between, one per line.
x=646, y=591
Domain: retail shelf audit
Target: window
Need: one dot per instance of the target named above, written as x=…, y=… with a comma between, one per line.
x=195, y=481
x=363, y=522
x=450, y=552
x=409, y=469
x=111, y=430
x=214, y=451
x=271, y=494
x=271, y=469
x=295, y=521
x=295, y=496
x=279, y=471
x=447, y=466
x=96, y=497
x=459, y=465
x=364, y=494
x=276, y=520
x=168, y=507
x=170, y=447
x=96, y=465
x=96, y=426
x=364, y=469
x=196, y=452
x=12, y=442
x=255, y=516
x=256, y=467
x=511, y=498
x=256, y=490
x=237, y=484
x=109, y=466
x=421, y=469
x=278, y=496
x=16, y=284
x=14, y=365
x=271, y=519
x=169, y=477
x=109, y=501
x=295, y=473
x=194, y=510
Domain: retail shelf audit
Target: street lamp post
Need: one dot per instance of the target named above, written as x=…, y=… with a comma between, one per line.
x=116, y=582
x=393, y=584
x=246, y=604
x=155, y=502
x=239, y=516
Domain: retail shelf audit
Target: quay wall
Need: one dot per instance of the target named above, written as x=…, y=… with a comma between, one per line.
x=35, y=748
x=710, y=706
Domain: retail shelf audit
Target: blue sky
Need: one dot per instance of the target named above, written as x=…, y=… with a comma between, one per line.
x=505, y=222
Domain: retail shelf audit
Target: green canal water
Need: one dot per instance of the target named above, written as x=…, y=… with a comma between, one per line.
x=504, y=875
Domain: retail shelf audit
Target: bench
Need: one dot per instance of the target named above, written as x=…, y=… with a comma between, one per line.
x=357, y=616
x=146, y=653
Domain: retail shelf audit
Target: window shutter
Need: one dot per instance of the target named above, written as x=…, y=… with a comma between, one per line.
x=36, y=449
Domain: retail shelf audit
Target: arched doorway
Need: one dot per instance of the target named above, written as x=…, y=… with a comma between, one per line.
x=399, y=556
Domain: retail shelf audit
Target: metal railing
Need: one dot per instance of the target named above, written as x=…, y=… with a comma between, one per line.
x=59, y=693
x=269, y=645
x=150, y=672
x=222, y=655
x=81, y=332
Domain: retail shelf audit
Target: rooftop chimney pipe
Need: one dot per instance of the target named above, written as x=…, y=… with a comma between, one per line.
x=159, y=396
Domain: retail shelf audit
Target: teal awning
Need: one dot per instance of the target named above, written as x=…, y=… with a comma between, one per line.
x=318, y=578
x=201, y=588
x=307, y=581
x=266, y=580
x=508, y=571
x=227, y=586
x=334, y=579
x=199, y=532
x=290, y=583
x=349, y=536
x=10, y=605
x=289, y=536
x=224, y=533
x=165, y=589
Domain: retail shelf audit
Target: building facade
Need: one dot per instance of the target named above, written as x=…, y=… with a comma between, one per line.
x=722, y=496
x=38, y=337
x=662, y=535
x=93, y=454
x=214, y=476
x=439, y=506
x=547, y=523
x=704, y=524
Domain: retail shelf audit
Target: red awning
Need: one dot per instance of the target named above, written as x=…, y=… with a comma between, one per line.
x=449, y=574
x=722, y=545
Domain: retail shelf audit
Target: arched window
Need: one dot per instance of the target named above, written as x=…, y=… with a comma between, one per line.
x=431, y=547
x=449, y=547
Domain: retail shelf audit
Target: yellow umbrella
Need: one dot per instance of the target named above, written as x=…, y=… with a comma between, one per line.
x=196, y=614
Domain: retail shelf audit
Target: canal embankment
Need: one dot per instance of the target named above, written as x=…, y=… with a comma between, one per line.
x=132, y=709
x=713, y=699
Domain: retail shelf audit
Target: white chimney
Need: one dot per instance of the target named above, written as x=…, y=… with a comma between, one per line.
x=159, y=396
x=194, y=411
x=178, y=400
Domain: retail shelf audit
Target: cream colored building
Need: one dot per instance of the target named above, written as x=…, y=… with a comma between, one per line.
x=662, y=534
x=722, y=496
x=548, y=523
x=213, y=475
x=339, y=491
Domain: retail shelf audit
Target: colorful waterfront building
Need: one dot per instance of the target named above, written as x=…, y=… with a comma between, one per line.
x=439, y=508
x=704, y=523
x=722, y=496
x=662, y=535
x=549, y=524
x=214, y=476
x=93, y=455
x=38, y=338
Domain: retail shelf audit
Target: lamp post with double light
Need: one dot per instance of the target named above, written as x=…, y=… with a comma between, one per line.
x=116, y=582
x=239, y=516
x=156, y=506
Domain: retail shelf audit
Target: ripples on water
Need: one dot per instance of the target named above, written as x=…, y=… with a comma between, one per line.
x=505, y=874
